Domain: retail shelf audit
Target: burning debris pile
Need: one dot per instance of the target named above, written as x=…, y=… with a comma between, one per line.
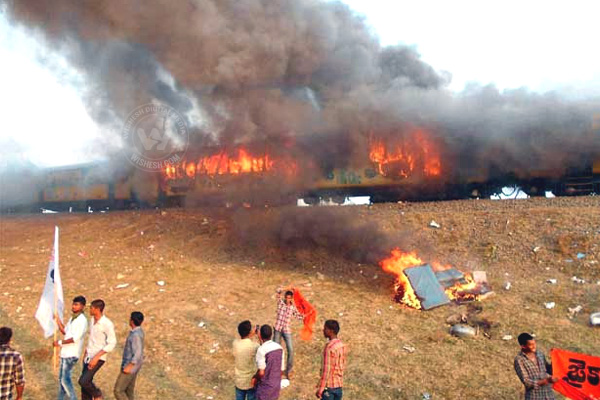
x=426, y=286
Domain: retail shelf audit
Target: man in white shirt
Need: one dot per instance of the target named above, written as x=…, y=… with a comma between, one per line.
x=102, y=340
x=269, y=360
x=71, y=347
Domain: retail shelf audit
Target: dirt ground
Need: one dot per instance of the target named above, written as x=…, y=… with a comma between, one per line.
x=211, y=284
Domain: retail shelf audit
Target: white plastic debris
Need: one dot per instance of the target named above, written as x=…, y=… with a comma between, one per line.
x=550, y=305
x=575, y=310
x=434, y=224
x=536, y=249
x=507, y=286
x=551, y=281
x=285, y=383
x=122, y=286
x=577, y=280
x=580, y=256
x=408, y=348
x=507, y=337
x=202, y=324
x=595, y=319
x=160, y=283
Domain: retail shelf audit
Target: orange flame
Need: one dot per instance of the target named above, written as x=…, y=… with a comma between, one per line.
x=405, y=293
x=417, y=153
x=223, y=163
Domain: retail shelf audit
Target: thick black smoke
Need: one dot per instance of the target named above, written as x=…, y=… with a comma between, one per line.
x=312, y=70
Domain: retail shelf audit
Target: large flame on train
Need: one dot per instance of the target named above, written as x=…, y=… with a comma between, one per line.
x=415, y=154
x=224, y=163
x=398, y=261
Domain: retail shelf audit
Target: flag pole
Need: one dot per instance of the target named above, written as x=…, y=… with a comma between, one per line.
x=54, y=348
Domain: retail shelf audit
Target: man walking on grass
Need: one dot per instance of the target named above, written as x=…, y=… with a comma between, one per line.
x=102, y=340
x=70, y=347
x=531, y=367
x=244, y=353
x=285, y=311
x=12, y=371
x=133, y=357
x=334, y=363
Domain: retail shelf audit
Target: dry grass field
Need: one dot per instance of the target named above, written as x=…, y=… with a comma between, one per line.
x=211, y=279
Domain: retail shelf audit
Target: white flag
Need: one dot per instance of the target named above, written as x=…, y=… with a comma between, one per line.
x=52, y=300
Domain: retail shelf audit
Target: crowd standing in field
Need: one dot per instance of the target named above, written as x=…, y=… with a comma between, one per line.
x=260, y=368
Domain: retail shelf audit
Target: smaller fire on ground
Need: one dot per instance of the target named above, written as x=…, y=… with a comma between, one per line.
x=399, y=261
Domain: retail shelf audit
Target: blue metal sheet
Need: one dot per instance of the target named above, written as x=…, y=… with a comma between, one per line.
x=426, y=287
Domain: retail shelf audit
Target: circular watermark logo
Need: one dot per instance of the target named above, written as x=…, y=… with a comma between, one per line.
x=156, y=136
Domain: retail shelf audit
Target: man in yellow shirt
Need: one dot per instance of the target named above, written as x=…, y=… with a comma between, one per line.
x=244, y=352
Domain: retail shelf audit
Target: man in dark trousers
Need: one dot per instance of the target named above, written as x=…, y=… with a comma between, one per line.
x=334, y=363
x=133, y=357
x=269, y=360
x=102, y=340
x=531, y=368
x=12, y=372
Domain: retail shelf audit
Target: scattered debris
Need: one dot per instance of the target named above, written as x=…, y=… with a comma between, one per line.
x=551, y=281
x=507, y=337
x=536, y=249
x=434, y=224
x=120, y=276
x=202, y=324
x=461, y=330
x=550, y=305
x=574, y=311
x=408, y=348
x=46, y=211
x=320, y=276
x=578, y=280
x=595, y=319
x=160, y=283
x=507, y=286
x=138, y=302
x=580, y=256
x=285, y=383
x=122, y=286
x=426, y=396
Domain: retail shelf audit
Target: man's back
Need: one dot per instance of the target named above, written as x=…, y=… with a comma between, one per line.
x=244, y=352
x=269, y=357
x=11, y=371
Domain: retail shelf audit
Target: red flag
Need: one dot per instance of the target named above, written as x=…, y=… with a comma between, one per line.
x=309, y=312
x=578, y=374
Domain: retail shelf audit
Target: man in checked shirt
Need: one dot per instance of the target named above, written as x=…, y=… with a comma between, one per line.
x=334, y=363
x=285, y=311
x=531, y=368
x=11, y=368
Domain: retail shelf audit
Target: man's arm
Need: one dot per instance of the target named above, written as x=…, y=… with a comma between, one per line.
x=136, y=345
x=19, y=377
x=61, y=326
x=78, y=329
x=111, y=342
x=324, y=372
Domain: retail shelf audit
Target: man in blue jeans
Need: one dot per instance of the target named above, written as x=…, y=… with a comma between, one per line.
x=71, y=347
x=285, y=311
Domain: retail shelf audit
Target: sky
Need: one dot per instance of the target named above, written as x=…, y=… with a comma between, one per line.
x=543, y=45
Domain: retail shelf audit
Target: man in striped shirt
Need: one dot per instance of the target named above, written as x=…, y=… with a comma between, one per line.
x=12, y=373
x=531, y=368
x=285, y=311
x=334, y=363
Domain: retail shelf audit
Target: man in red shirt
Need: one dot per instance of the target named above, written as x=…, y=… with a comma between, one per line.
x=334, y=363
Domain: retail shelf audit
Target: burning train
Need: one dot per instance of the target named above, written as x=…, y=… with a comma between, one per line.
x=418, y=167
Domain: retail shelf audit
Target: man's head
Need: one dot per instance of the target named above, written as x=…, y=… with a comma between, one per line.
x=136, y=319
x=78, y=304
x=527, y=343
x=266, y=332
x=331, y=328
x=245, y=329
x=289, y=297
x=5, y=335
x=97, y=307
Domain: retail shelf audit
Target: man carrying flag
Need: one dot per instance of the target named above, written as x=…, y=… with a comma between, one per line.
x=71, y=347
x=52, y=300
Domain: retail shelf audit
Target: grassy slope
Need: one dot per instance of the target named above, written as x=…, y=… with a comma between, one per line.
x=209, y=279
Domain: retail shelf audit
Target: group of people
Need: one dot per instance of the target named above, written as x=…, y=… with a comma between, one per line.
x=101, y=341
x=260, y=367
x=260, y=370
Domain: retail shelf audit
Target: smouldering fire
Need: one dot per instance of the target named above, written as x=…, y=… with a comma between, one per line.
x=223, y=163
x=398, y=261
x=416, y=154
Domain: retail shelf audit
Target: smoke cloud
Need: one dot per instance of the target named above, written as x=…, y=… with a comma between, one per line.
x=308, y=70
